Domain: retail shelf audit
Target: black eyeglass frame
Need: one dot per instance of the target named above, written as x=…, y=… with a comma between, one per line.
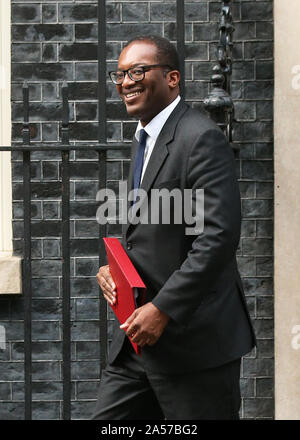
x=144, y=69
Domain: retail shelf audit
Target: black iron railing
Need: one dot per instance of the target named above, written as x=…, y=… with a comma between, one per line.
x=220, y=106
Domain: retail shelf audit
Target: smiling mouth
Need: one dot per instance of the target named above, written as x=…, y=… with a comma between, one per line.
x=131, y=96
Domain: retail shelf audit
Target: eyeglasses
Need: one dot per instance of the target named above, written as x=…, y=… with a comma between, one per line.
x=135, y=73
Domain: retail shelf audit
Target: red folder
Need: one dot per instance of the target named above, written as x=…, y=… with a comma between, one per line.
x=127, y=282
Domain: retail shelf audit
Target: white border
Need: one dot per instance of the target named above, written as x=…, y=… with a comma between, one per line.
x=5, y=131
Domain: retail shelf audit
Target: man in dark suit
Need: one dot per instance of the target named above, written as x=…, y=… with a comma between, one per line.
x=194, y=327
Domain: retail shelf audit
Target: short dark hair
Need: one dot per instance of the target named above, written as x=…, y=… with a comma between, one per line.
x=166, y=51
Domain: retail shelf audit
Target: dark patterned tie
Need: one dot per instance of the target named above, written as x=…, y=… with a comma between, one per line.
x=139, y=161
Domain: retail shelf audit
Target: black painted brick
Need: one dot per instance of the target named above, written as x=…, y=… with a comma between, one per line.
x=264, y=29
x=45, y=350
x=45, y=287
x=246, y=266
x=133, y=12
x=86, y=369
x=264, y=328
x=78, y=12
x=264, y=228
x=56, y=41
x=258, y=170
x=26, y=52
x=86, y=287
x=45, y=410
x=258, y=408
x=11, y=410
x=245, y=110
x=170, y=31
x=87, y=228
x=258, y=286
x=206, y=32
x=50, y=210
x=265, y=348
x=82, y=409
x=22, y=13
x=42, y=72
x=84, y=247
x=42, y=32
x=49, y=13
x=254, y=131
x=259, y=90
x=257, y=367
x=87, y=308
x=50, y=132
x=264, y=307
x=49, y=52
x=248, y=228
x=264, y=110
x=259, y=50
x=257, y=11
x=257, y=208
x=264, y=70
x=264, y=266
x=247, y=189
x=264, y=150
x=264, y=387
x=86, y=390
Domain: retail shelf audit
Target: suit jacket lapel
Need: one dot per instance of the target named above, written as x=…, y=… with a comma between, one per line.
x=160, y=151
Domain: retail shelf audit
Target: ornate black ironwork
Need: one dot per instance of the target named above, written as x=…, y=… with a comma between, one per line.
x=219, y=102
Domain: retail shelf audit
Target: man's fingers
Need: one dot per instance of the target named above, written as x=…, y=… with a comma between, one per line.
x=104, y=278
x=107, y=276
x=129, y=321
x=151, y=341
x=107, y=284
x=108, y=294
x=132, y=331
x=108, y=299
x=107, y=288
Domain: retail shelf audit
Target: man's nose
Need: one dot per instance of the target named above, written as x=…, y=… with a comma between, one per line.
x=127, y=80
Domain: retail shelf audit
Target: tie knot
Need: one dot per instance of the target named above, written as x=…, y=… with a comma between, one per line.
x=143, y=137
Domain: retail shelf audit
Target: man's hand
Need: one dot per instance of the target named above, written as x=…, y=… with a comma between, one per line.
x=107, y=284
x=145, y=325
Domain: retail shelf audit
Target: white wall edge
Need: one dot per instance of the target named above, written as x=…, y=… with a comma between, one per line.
x=5, y=128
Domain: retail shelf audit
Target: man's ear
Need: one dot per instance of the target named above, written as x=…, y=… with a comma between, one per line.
x=173, y=78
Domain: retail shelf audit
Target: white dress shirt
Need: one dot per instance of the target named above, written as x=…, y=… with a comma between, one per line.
x=153, y=128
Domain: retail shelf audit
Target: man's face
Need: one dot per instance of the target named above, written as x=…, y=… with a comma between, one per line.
x=144, y=99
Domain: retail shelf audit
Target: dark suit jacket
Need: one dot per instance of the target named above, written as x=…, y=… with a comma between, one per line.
x=194, y=279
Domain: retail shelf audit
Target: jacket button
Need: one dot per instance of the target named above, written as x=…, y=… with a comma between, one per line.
x=129, y=245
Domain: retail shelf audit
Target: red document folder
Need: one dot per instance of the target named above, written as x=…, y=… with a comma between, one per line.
x=127, y=282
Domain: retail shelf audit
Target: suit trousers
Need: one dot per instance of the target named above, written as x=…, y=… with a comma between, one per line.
x=129, y=392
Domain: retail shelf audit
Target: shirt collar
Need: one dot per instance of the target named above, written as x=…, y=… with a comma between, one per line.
x=154, y=127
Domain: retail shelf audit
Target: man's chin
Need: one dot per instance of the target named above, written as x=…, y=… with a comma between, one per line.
x=133, y=111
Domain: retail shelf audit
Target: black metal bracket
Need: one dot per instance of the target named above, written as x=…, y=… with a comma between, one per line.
x=219, y=102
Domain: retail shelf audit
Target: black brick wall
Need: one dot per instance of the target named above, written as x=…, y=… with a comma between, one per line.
x=53, y=41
